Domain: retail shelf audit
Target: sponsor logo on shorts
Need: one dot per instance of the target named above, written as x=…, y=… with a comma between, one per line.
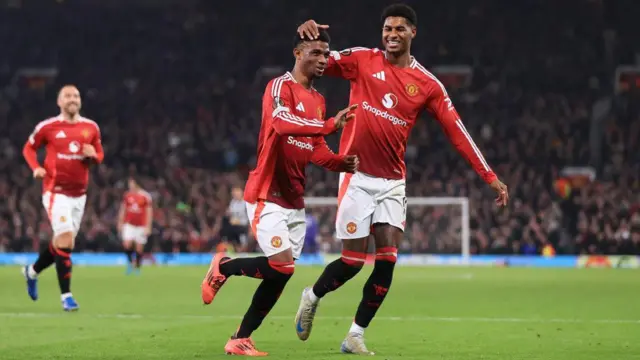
x=276, y=241
x=352, y=227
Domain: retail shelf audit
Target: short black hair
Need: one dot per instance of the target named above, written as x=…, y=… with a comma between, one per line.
x=400, y=10
x=324, y=36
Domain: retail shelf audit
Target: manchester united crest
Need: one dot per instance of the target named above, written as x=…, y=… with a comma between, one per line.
x=352, y=227
x=319, y=112
x=85, y=133
x=276, y=241
x=412, y=89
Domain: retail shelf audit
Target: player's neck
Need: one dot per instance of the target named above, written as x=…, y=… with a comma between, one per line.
x=301, y=78
x=70, y=118
x=400, y=60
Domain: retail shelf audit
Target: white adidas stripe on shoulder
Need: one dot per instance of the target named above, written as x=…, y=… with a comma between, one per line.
x=41, y=125
x=416, y=65
x=89, y=121
x=276, y=86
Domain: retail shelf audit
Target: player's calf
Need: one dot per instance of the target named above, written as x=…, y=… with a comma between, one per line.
x=63, y=245
x=339, y=272
x=266, y=296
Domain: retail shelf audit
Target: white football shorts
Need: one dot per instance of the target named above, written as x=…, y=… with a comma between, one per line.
x=365, y=200
x=65, y=212
x=276, y=228
x=134, y=233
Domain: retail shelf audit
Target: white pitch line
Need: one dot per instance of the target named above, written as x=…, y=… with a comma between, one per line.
x=346, y=318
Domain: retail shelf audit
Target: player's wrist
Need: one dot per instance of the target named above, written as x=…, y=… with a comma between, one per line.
x=329, y=126
x=490, y=177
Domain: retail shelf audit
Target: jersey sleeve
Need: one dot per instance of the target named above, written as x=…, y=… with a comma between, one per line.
x=344, y=64
x=35, y=141
x=324, y=157
x=97, y=144
x=440, y=106
x=284, y=122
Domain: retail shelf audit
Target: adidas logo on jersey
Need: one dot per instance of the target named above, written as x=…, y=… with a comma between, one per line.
x=379, y=75
x=300, y=107
x=61, y=135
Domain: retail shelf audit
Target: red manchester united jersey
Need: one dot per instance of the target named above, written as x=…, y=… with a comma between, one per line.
x=67, y=168
x=390, y=100
x=135, y=207
x=291, y=136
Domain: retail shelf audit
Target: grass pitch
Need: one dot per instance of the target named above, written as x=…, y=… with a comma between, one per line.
x=430, y=313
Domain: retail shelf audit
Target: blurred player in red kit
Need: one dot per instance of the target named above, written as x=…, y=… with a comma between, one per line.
x=72, y=144
x=291, y=137
x=392, y=89
x=135, y=219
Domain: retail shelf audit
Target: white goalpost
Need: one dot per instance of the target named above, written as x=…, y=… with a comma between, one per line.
x=462, y=202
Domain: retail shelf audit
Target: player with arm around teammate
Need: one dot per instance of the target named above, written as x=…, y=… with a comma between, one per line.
x=392, y=89
x=72, y=144
x=291, y=136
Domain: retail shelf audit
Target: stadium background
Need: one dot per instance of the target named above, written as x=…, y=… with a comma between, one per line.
x=176, y=87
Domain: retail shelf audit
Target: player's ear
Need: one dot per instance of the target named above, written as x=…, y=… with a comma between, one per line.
x=297, y=53
x=413, y=32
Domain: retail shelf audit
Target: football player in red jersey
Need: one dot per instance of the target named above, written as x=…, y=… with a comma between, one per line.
x=72, y=143
x=134, y=223
x=392, y=89
x=291, y=137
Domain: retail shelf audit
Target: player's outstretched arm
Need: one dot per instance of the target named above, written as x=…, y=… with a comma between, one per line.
x=441, y=107
x=324, y=157
x=286, y=123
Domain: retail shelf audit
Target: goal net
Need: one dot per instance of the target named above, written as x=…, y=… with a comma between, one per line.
x=435, y=225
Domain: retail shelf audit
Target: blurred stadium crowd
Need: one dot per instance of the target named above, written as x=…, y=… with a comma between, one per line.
x=176, y=90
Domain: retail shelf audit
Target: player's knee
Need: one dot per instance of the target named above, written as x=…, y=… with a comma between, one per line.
x=284, y=269
x=388, y=254
x=353, y=261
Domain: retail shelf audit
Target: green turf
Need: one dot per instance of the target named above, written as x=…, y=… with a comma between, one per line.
x=430, y=313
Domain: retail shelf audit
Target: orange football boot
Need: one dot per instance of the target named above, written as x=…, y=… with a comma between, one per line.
x=213, y=281
x=244, y=347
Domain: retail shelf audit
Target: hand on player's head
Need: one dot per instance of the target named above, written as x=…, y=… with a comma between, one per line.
x=351, y=163
x=312, y=55
x=310, y=29
x=344, y=116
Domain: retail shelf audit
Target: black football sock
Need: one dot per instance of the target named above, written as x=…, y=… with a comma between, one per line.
x=264, y=299
x=256, y=267
x=339, y=272
x=63, y=268
x=139, y=256
x=377, y=287
x=45, y=259
x=129, y=254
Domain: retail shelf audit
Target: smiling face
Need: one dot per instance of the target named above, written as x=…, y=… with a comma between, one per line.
x=69, y=100
x=397, y=34
x=312, y=57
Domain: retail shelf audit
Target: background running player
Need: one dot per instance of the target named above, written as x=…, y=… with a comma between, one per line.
x=392, y=89
x=134, y=223
x=72, y=144
x=290, y=137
